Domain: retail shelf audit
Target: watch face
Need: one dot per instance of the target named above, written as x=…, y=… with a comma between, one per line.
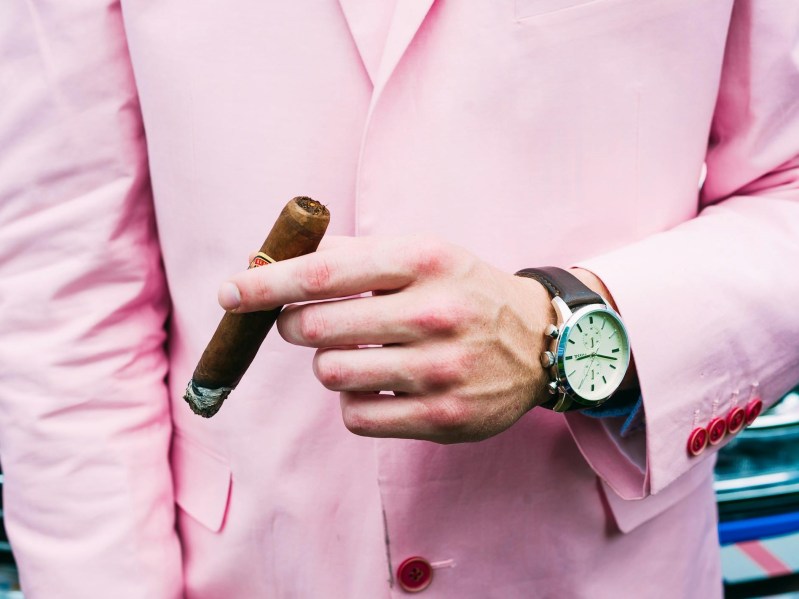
x=593, y=353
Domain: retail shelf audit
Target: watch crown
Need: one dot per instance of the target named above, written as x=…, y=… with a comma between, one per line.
x=552, y=387
x=547, y=359
x=552, y=331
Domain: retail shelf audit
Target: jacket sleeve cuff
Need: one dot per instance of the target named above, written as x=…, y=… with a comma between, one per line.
x=619, y=461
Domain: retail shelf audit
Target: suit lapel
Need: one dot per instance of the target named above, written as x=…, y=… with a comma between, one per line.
x=408, y=17
x=361, y=16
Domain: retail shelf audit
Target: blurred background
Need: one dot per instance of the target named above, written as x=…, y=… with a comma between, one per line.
x=757, y=490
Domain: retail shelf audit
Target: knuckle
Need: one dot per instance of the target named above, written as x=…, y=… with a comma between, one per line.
x=440, y=373
x=316, y=276
x=448, y=416
x=446, y=315
x=430, y=256
x=312, y=325
x=436, y=318
x=329, y=371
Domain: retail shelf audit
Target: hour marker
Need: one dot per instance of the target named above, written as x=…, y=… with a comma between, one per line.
x=603, y=379
x=614, y=350
x=572, y=372
x=579, y=328
x=611, y=335
x=590, y=320
x=604, y=322
x=571, y=340
x=612, y=366
x=569, y=357
x=592, y=387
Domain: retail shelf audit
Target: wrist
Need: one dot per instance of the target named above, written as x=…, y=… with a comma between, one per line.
x=589, y=353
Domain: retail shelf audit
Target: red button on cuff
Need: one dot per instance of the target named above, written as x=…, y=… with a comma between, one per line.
x=716, y=430
x=735, y=420
x=415, y=574
x=753, y=409
x=697, y=441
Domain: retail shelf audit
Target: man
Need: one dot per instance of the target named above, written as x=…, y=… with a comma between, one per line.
x=454, y=144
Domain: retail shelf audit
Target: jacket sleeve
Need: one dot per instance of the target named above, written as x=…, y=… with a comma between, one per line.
x=711, y=304
x=84, y=418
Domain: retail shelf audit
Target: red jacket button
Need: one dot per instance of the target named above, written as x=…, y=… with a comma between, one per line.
x=753, y=409
x=735, y=420
x=415, y=574
x=716, y=430
x=697, y=441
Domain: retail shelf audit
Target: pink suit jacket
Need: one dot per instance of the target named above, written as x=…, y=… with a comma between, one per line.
x=532, y=132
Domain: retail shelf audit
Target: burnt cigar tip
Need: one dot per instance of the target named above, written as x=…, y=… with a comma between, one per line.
x=311, y=206
x=203, y=401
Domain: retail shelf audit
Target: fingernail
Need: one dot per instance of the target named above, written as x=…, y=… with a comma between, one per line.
x=229, y=296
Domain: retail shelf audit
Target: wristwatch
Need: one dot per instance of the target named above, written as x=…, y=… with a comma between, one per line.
x=590, y=352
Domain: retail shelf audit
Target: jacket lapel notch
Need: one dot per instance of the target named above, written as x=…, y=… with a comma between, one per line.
x=408, y=18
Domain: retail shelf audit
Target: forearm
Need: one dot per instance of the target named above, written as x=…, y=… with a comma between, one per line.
x=85, y=424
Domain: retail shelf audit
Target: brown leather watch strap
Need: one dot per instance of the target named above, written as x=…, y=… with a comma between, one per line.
x=563, y=284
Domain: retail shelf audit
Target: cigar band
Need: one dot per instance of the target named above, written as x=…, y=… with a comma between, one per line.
x=261, y=259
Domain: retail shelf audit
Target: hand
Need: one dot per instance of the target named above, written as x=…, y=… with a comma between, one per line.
x=456, y=340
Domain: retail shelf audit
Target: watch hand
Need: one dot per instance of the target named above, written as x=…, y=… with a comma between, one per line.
x=587, y=370
x=606, y=357
x=591, y=355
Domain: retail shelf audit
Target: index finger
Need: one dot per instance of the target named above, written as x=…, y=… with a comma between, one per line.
x=357, y=266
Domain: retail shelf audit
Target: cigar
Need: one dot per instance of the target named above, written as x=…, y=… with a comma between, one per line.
x=297, y=231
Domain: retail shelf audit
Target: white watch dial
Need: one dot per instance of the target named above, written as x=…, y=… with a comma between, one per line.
x=595, y=355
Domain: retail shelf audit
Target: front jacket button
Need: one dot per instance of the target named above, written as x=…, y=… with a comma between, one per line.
x=415, y=574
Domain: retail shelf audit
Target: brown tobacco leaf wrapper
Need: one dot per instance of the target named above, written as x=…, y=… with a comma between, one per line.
x=297, y=231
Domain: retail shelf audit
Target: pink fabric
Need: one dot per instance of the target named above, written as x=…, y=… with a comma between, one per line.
x=370, y=23
x=530, y=131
